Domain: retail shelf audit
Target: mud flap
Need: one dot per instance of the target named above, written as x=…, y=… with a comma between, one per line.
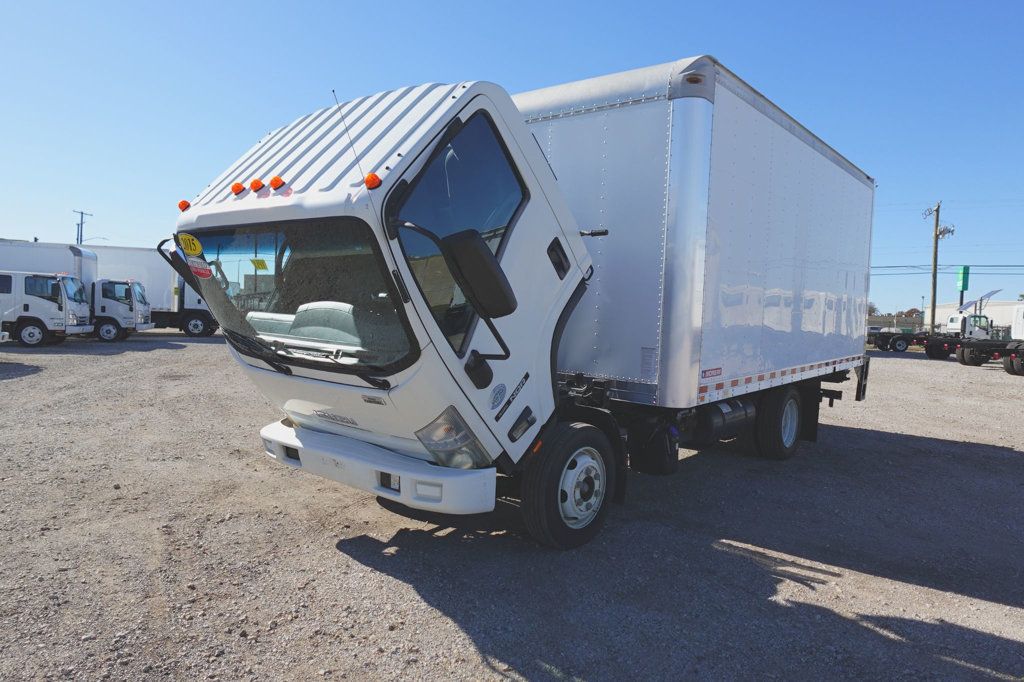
x=862, y=379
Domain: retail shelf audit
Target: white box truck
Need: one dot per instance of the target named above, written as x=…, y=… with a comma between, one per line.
x=40, y=307
x=117, y=306
x=172, y=302
x=441, y=284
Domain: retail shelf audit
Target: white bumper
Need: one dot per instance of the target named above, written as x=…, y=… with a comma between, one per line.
x=4, y=336
x=78, y=329
x=143, y=327
x=360, y=465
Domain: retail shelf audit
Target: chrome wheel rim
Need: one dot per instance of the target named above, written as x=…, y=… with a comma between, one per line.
x=581, y=489
x=108, y=332
x=32, y=335
x=196, y=326
x=790, y=421
x=901, y=345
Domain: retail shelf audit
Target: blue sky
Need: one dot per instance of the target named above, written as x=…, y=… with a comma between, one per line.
x=123, y=109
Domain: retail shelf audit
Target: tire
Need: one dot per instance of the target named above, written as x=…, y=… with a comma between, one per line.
x=196, y=325
x=576, y=459
x=974, y=358
x=653, y=449
x=108, y=331
x=882, y=345
x=1008, y=365
x=211, y=330
x=777, y=425
x=31, y=334
x=899, y=344
x=960, y=356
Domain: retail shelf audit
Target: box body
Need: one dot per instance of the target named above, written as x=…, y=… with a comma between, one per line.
x=738, y=249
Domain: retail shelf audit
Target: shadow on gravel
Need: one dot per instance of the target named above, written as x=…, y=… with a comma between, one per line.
x=133, y=344
x=16, y=370
x=906, y=355
x=683, y=580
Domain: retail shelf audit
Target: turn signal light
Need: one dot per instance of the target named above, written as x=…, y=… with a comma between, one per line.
x=237, y=188
x=184, y=206
x=276, y=182
x=256, y=185
x=372, y=181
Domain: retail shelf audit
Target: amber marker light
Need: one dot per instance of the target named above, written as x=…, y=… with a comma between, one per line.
x=256, y=185
x=276, y=182
x=184, y=206
x=237, y=188
x=372, y=181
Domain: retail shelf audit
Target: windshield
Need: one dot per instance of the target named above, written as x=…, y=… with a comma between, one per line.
x=139, y=293
x=73, y=289
x=980, y=321
x=315, y=292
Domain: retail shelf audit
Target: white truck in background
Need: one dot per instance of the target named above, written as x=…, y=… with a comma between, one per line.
x=117, y=306
x=39, y=307
x=172, y=303
x=449, y=285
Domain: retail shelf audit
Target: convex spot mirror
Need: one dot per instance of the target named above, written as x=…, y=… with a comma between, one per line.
x=478, y=274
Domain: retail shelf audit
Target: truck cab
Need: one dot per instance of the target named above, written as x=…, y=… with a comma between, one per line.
x=118, y=308
x=976, y=327
x=38, y=308
x=430, y=363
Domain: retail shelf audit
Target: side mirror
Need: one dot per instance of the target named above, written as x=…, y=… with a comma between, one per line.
x=478, y=274
x=55, y=292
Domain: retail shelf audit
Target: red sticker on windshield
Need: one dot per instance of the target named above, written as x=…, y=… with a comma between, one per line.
x=199, y=267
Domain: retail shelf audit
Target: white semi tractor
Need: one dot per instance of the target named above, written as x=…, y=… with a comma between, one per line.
x=172, y=303
x=440, y=285
x=116, y=306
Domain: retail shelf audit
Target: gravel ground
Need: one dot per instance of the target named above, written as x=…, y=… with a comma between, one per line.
x=145, y=535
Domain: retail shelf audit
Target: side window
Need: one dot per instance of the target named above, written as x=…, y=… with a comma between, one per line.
x=469, y=184
x=115, y=292
x=5, y=284
x=43, y=287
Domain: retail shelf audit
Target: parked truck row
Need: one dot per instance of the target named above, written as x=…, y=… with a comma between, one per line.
x=49, y=292
x=451, y=285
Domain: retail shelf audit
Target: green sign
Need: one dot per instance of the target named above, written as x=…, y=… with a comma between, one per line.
x=963, y=274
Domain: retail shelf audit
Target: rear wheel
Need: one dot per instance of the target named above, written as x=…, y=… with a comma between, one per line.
x=31, y=334
x=108, y=331
x=882, y=344
x=196, y=325
x=1008, y=365
x=566, y=485
x=899, y=344
x=973, y=358
x=777, y=427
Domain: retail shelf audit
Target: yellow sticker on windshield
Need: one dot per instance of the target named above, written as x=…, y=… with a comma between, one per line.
x=189, y=244
x=259, y=263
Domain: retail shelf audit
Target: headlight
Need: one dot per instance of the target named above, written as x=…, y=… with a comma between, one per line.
x=452, y=444
x=72, y=319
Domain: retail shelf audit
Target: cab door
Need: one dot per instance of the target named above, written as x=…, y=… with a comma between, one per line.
x=479, y=175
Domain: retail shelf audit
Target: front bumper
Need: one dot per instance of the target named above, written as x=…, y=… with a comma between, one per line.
x=360, y=465
x=4, y=336
x=141, y=327
x=70, y=330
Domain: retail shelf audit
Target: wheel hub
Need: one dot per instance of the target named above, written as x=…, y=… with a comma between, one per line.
x=582, y=487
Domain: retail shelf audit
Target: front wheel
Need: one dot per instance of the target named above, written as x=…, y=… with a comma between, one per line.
x=899, y=344
x=108, y=331
x=566, y=486
x=31, y=334
x=777, y=425
x=196, y=325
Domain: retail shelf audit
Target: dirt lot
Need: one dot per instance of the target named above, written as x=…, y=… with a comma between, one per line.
x=145, y=534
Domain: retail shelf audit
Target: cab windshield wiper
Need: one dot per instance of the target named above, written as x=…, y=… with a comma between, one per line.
x=335, y=357
x=257, y=349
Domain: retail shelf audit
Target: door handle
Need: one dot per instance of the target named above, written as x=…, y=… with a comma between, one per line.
x=556, y=254
x=24, y=308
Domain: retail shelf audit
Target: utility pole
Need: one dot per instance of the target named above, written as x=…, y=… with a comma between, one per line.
x=81, y=225
x=937, y=234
